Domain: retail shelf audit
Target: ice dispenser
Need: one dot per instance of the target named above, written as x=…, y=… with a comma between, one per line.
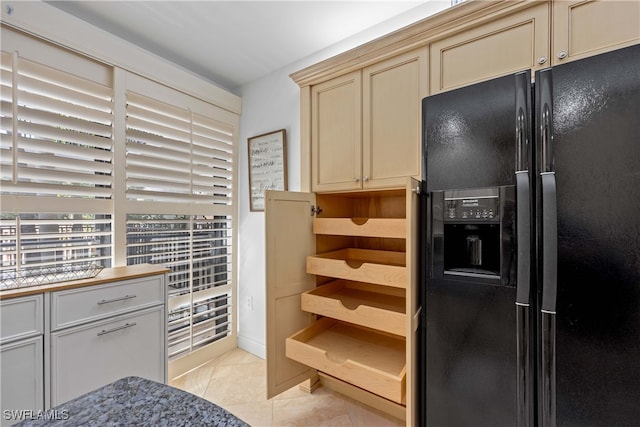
x=473, y=234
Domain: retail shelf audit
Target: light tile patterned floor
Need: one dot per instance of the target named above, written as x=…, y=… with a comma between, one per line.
x=236, y=381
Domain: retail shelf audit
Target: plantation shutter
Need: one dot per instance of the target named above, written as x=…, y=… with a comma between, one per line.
x=175, y=155
x=180, y=210
x=57, y=132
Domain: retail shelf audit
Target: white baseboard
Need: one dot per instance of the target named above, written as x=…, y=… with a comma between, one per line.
x=252, y=346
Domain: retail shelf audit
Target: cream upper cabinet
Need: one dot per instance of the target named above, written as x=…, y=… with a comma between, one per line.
x=586, y=28
x=336, y=134
x=391, y=107
x=365, y=125
x=500, y=46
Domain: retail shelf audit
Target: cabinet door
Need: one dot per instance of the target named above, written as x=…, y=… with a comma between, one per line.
x=336, y=135
x=21, y=370
x=87, y=357
x=585, y=28
x=413, y=307
x=499, y=47
x=391, y=99
x=289, y=237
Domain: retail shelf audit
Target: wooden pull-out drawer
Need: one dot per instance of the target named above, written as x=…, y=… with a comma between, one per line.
x=361, y=265
x=81, y=305
x=372, y=360
x=373, y=306
x=21, y=317
x=393, y=228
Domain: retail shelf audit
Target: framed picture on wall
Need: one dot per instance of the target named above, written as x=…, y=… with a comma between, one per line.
x=267, y=166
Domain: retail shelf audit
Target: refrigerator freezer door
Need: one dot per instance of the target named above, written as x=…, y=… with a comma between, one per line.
x=470, y=331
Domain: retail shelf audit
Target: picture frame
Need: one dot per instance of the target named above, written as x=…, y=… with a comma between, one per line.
x=267, y=166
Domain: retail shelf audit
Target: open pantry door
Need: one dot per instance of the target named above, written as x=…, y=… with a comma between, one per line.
x=289, y=240
x=412, y=300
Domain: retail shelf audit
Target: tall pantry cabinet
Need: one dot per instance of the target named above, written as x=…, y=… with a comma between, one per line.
x=341, y=293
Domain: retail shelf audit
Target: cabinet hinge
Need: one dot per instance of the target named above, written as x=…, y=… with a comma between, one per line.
x=315, y=210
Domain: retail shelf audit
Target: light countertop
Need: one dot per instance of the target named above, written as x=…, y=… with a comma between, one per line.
x=105, y=276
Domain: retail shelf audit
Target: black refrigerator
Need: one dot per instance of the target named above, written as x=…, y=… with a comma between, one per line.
x=530, y=264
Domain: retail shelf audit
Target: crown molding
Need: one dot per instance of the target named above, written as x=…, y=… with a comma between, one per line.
x=460, y=17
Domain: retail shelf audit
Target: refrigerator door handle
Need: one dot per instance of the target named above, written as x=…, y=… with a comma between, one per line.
x=525, y=378
x=523, y=109
x=549, y=297
x=544, y=84
x=523, y=327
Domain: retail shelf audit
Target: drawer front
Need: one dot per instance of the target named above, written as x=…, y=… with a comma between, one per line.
x=89, y=356
x=21, y=318
x=360, y=356
x=76, y=306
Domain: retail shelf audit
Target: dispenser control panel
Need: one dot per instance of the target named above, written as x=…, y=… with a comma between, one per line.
x=471, y=205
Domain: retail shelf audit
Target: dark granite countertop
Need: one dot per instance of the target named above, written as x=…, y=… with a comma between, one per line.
x=134, y=401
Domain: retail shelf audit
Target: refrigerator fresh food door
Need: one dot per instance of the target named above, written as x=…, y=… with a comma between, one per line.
x=590, y=322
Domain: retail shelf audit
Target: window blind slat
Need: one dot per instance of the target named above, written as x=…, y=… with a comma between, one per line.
x=80, y=167
x=158, y=129
x=145, y=102
x=47, y=189
x=39, y=72
x=57, y=136
x=64, y=122
x=180, y=123
x=63, y=107
x=178, y=151
x=50, y=175
x=61, y=149
x=151, y=176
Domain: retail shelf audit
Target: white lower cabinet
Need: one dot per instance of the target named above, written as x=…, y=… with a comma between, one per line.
x=86, y=357
x=22, y=378
x=106, y=332
x=21, y=357
x=63, y=342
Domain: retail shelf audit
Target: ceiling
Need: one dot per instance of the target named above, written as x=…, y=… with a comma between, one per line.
x=233, y=43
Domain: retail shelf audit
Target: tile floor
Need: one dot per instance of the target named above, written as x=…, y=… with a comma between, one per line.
x=236, y=381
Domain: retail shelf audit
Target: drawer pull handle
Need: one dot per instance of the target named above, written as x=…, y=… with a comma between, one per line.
x=107, y=301
x=125, y=326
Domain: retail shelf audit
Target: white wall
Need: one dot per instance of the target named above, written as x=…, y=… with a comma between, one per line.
x=269, y=104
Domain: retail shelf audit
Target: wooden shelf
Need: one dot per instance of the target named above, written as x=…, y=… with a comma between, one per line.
x=372, y=360
x=394, y=228
x=367, y=305
x=362, y=265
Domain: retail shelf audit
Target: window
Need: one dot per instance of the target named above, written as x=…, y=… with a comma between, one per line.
x=198, y=250
x=56, y=171
x=179, y=191
x=103, y=166
x=50, y=244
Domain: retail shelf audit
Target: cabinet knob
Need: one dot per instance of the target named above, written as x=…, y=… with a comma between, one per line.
x=542, y=60
x=357, y=179
x=366, y=179
x=562, y=54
